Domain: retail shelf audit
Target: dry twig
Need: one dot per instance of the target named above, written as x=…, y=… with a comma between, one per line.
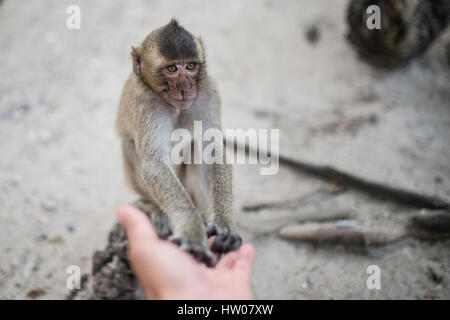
x=345, y=179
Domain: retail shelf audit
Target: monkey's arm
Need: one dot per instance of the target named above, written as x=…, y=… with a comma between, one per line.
x=222, y=223
x=168, y=192
x=222, y=192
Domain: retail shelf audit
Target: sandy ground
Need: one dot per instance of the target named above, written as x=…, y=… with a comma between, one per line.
x=60, y=164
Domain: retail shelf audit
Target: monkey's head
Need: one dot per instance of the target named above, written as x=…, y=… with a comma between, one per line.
x=171, y=61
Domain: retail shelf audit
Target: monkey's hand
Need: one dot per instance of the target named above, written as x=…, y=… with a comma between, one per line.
x=198, y=248
x=227, y=238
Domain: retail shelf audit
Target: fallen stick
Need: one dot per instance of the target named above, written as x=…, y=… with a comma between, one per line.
x=437, y=223
x=329, y=173
x=314, y=196
x=334, y=233
x=268, y=223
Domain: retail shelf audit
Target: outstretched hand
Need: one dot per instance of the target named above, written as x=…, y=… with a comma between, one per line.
x=166, y=272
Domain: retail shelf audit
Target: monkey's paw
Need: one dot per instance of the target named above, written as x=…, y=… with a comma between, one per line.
x=199, y=251
x=226, y=240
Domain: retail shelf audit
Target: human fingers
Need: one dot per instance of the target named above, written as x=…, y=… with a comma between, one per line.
x=245, y=260
x=228, y=260
x=216, y=256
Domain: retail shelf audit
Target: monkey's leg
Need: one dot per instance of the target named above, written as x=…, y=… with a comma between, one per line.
x=210, y=189
x=159, y=219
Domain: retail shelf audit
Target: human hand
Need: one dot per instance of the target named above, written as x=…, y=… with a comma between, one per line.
x=166, y=272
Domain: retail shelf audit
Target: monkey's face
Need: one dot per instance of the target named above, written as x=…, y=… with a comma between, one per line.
x=172, y=62
x=180, y=83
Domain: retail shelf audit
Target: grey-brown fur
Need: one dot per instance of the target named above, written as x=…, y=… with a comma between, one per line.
x=176, y=42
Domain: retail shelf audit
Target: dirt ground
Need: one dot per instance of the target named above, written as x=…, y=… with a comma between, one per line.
x=60, y=166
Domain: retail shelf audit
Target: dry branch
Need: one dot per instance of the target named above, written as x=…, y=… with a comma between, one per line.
x=329, y=173
x=437, y=223
x=319, y=205
x=334, y=233
x=314, y=196
x=331, y=232
x=266, y=222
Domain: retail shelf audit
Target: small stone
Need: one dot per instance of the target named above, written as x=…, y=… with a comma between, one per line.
x=27, y=269
x=57, y=239
x=435, y=276
x=312, y=34
x=17, y=113
x=34, y=293
x=307, y=284
x=438, y=179
x=25, y=108
x=70, y=228
x=50, y=204
x=41, y=237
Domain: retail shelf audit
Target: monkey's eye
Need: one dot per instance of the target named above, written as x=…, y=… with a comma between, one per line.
x=172, y=68
x=190, y=66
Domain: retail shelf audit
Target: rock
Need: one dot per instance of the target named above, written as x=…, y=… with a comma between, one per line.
x=434, y=276
x=17, y=113
x=28, y=268
x=307, y=284
x=50, y=204
x=312, y=34
x=41, y=237
x=57, y=239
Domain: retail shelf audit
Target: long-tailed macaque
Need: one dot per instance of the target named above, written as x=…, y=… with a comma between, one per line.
x=170, y=88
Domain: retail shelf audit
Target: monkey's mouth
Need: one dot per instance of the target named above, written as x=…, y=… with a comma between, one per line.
x=182, y=104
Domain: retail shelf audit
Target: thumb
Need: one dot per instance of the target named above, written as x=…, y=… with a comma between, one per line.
x=137, y=225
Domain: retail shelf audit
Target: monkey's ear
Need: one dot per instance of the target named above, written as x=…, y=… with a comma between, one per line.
x=136, y=57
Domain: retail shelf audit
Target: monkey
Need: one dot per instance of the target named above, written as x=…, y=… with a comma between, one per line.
x=170, y=88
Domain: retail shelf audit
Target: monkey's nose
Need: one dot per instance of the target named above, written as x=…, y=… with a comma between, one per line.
x=185, y=87
x=184, y=84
